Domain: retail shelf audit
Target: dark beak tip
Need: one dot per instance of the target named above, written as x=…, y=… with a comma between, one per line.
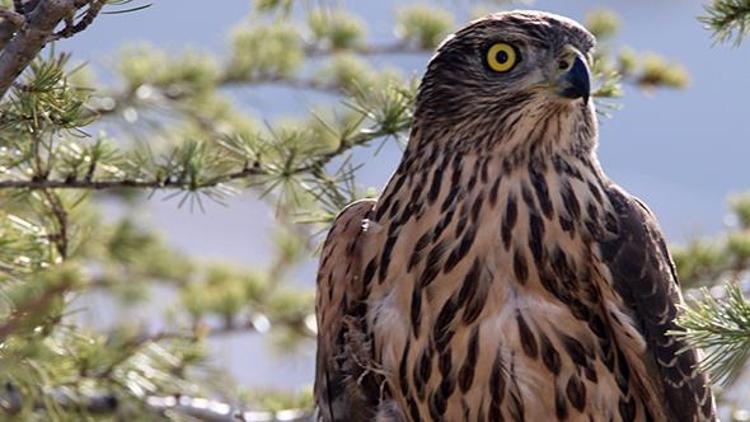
x=577, y=81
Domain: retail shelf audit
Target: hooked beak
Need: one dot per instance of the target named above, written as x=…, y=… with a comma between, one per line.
x=575, y=82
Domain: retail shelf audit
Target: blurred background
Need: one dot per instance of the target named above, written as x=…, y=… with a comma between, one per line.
x=674, y=134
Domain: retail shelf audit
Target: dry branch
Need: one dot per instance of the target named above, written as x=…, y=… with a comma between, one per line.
x=25, y=32
x=195, y=408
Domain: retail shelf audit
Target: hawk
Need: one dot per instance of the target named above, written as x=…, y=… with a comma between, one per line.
x=501, y=275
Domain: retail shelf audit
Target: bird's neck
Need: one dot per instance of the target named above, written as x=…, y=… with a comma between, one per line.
x=446, y=161
x=534, y=130
x=435, y=172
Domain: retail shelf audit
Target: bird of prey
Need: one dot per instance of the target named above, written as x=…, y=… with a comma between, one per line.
x=501, y=275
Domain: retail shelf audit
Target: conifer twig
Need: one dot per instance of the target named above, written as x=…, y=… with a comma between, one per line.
x=728, y=19
x=71, y=28
x=31, y=38
x=33, y=306
x=719, y=323
x=250, y=170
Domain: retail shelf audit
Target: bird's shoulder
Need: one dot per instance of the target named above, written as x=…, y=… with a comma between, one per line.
x=343, y=391
x=341, y=240
x=338, y=274
x=643, y=273
x=637, y=255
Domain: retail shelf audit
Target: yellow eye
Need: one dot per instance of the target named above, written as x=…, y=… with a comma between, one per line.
x=501, y=57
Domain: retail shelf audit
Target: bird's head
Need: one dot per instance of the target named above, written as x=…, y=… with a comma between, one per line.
x=509, y=66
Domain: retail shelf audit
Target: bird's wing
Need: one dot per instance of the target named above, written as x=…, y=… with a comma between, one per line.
x=644, y=275
x=343, y=389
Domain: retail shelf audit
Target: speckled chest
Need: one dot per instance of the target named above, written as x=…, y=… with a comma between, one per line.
x=487, y=298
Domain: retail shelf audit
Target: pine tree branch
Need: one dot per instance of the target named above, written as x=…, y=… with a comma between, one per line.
x=718, y=322
x=216, y=411
x=15, y=19
x=72, y=28
x=162, y=184
x=168, y=183
x=60, y=214
x=202, y=331
x=129, y=96
x=244, y=327
x=171, y=183
x=291, y=82
x=102, y=404
x=728, y=19
x=32, y=307
x=8, y=27
x=11, y=402
x=398, y=47
x=126, y=183
x=31, y=37
x=164, y=97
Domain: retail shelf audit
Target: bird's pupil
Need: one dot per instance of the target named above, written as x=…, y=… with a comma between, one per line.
x=502, y=57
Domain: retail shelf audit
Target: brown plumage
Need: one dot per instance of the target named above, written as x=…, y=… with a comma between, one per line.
x=501, y=275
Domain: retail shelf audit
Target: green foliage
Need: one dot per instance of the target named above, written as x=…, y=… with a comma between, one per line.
x=722, y=329
x=144, y=65
x=273, y=5
x=656, y=71
x=717, y=322
x=45, y=101
x=424, y=26
x=274, y=49
x=698, y=261
x=602, y=23
x=613, y=66
x=741, y=206
x=348, y=71
x=704, y=261
x=336, y=30
x=728, y=19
